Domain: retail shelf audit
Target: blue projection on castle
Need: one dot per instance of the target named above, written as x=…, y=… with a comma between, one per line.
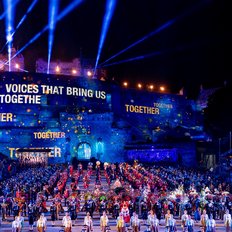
x=83, y=118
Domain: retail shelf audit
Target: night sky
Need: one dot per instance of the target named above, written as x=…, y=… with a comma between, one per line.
x=194, y=49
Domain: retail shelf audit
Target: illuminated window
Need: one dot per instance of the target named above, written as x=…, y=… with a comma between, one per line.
x=84, y=151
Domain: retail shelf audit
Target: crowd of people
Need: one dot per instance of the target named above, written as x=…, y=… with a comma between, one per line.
x=133, y=195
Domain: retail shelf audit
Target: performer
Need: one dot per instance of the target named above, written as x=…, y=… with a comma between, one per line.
x=210, y=224
x=15, y=209
x=171, y=207
x=70, y=170
x=72, y=211
x=158, y=209
x=197, y=216
x=189, y=224
x=204, y=218
x=116, y=209
x=102, y=207
x=227, y=220
x=117, y=184
x=131, y=208
x=168, y=216
x=89, y=206
x=44, y=219
x=120, y=223
x=90, y=168
x=104, y=221
x=4, y=207
x=153, y=222
x=222, y=209
x=144, y=210
x=41, y=225
x=53, y=213
x=98, y=169
x=210, y=207
x=184, y=218
x=67, y=223
x=58, y=209
x=135, y=222
x=80, y=169
x=66, y=196
x=172, y=224
x=125, y=212
x=16, y=225
x=88, y=222
x=31, y=216
x=21, y=219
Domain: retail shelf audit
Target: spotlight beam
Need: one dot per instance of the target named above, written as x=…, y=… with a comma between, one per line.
x=169, y=23
x=9, y=22
x=53, y=10
x=132, y=59
x=67, y=10
x=22, y=20
x=5, y=12
x=158, y=30
x=179, y=48
x=110, y=6
x=30, y=8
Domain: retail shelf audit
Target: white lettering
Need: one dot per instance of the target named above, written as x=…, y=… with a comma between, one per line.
x=74, y=91
x=22, y=88
x=49, y=89
x=20, y=99
x=6, y=117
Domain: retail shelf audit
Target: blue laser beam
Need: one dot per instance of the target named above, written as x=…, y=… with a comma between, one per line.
x=110, y=6
x=176, y=49
x=52, y=14
x=21, y=21
x=158, y=30
x=9, y=23
x=66, y=11
x=30, y=8
x=166, y=25
x=132, y=59
x=5, y=12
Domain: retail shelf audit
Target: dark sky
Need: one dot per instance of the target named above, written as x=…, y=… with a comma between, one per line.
x=193, y=50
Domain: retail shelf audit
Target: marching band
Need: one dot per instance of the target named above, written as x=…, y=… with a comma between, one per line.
x=135, y=196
